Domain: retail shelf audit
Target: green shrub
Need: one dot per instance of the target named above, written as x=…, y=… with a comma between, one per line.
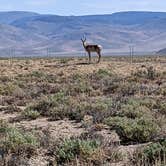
x=60, y=106
x=148, y=73
x=77, y=77
x=99, y=110
x=78, y=88
x=55, y=106
x=134, y=111
x=162, y=108
x=151, y=73
x=148, y=102
x=37, y=74
x=3, y=126
x=155, y=150
x=17, y=141
x=71, y=148
x=30, y=114
x=116, y=155
x=64, y=60
x=16, y=138
x=152, y=153
x=112, y=88
x=102, y=73
x=136, y=108
x=5, y=79
x=7, y=89
x=135, y=130
x=128, y=89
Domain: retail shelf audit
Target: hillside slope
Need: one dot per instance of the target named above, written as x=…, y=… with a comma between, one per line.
x=115, y=32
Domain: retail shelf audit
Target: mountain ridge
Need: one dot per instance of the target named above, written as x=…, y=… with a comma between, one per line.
x=116, y=32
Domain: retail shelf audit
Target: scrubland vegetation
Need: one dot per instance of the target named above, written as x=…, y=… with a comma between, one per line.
x=66, y=112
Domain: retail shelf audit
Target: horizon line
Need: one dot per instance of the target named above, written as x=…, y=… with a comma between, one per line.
x=125, y=11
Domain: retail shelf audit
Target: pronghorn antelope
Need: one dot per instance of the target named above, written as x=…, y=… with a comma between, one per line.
x=91, y=48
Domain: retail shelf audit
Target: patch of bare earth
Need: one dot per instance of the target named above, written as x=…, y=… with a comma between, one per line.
x=58, y=129
x=73, y=66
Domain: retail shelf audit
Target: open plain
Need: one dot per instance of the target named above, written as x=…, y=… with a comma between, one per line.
x=64, y=111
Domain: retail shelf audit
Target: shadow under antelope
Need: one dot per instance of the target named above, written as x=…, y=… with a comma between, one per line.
x=92, y=48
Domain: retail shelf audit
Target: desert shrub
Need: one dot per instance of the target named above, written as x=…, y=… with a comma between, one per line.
x=128, y=89
x=7, y=89
x=30, y=114
x=142, y=72
x=101, y=79
x=3, y=126
x=155, y=150
x=18, y=92
x=5, y=79
x=36, y=76
x=17, y=141
x=116, y=155
x=162, y=91
x=135, y=130
x=10, y=109
x=55, y=106
x=147, y=102
x=152, y=153
x=64, y=60
x=71, y=148
x=147, y=72
x=15, y=138
x=161, y=106
x=101, y=73
x=134, y=110
x=111, y=86
x=36, y=90
x=99, y=110
x=50, y=78
x=77, y=77
x=61, y=106
x=78, y=88
x=102, y=76
x=151, y=73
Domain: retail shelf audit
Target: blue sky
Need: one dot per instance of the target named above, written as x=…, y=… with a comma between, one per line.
x=82, y=7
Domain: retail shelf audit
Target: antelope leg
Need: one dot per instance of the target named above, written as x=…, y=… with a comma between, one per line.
x=99, y=57
x=89, y=57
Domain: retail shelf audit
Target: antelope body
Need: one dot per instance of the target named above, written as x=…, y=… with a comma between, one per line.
x=92, y=48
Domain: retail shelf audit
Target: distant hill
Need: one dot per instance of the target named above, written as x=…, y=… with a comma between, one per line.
x=8, y=17
x=161, y=52
x=115, y=32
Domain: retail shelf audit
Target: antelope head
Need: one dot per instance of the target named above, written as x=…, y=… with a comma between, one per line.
x=83, y=41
